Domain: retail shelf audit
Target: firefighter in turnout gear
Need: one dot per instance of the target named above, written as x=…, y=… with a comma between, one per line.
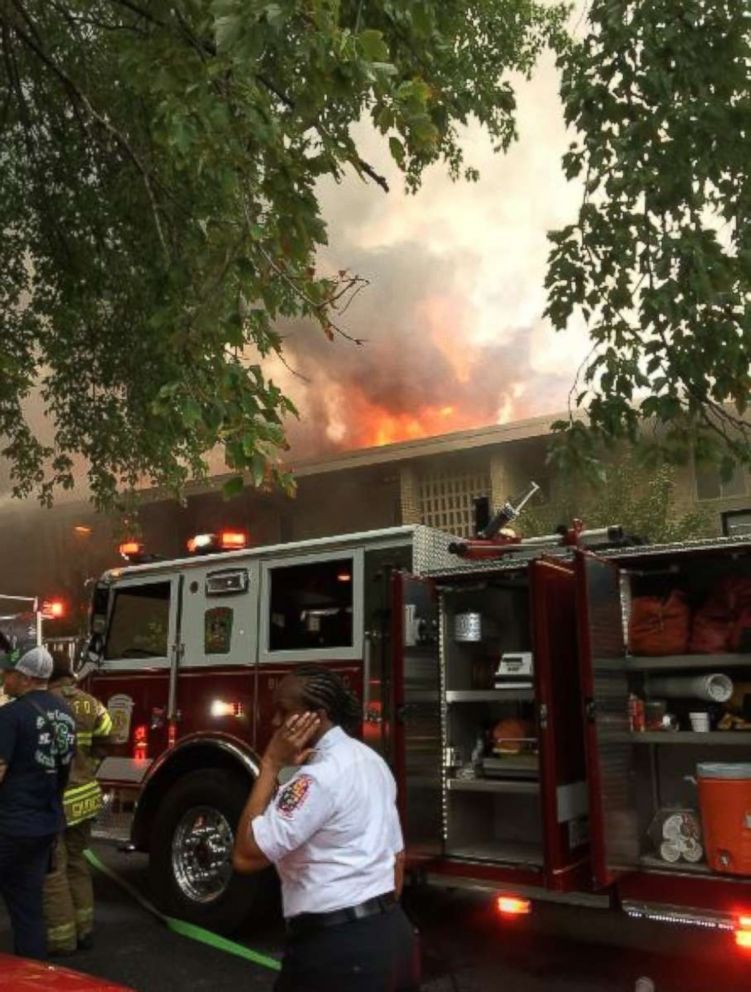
x=68, y=890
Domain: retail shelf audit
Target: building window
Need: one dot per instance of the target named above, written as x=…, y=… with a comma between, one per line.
x=140, y=622
x=217, y=630
x=446, y=501
x=710, y=485
x=736, y=523
x=311, y=606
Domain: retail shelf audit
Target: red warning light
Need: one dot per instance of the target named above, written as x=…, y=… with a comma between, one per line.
x=140, y=742
x=53, y=609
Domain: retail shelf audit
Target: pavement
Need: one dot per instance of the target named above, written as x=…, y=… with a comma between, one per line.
x=466, y=948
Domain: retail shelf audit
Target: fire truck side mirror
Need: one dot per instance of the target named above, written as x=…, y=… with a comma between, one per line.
x=94, y=649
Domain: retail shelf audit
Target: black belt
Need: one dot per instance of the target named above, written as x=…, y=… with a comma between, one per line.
x=307, y=922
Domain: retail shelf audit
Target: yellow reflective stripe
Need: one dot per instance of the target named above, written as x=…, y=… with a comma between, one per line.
x=61, y=932
x=79, y=809
x=78, y=791
x=103, y=726
x=84, y=737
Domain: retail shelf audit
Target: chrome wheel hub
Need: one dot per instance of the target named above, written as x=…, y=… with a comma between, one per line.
x=202, y=854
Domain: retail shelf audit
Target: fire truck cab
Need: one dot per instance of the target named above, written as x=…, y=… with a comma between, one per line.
x=186, y=655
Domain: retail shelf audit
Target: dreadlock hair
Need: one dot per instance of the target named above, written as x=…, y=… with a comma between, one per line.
x=323, y=689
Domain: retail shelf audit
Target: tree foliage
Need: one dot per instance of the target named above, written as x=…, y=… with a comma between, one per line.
x=659, y=259
x=158, y=169
x=643, y=499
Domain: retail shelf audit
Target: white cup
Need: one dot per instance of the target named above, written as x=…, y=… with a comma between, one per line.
x=699, y=722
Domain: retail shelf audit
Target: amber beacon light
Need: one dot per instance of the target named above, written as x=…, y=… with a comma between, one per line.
x=743, y=932
x=513, y=906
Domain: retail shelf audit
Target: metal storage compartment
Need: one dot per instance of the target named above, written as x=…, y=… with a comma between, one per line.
x=509, y=789
x=638, y=776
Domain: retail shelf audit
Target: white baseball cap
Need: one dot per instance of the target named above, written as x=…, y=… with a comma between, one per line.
x=36, y=663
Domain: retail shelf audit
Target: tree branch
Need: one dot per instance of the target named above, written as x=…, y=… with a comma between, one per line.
x=363, y=166
x=140, y=11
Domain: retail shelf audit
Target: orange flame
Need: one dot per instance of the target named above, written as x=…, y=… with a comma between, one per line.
x=377, y=426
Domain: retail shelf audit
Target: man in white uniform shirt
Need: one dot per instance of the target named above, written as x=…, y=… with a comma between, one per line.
x=333, y=833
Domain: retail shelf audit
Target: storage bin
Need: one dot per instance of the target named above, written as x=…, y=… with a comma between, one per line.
x=725, y=804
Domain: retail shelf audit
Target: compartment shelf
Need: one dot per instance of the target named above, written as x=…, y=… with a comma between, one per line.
x=726, y=737
x=516, y=765
x=508, y=786
x=681, y=867
x=489, y=695
x=645, y=663
x=510, y=853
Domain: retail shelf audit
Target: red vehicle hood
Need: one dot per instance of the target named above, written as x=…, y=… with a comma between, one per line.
x=22, y=975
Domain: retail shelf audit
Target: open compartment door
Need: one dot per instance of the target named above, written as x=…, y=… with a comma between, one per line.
x=563, y=786
x=614, y=833
x=417, y=708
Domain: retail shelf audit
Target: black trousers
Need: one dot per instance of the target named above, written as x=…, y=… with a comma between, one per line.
x=377, y=954
x=23, y=864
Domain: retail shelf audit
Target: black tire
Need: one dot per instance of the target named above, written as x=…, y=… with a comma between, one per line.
x=229, y=903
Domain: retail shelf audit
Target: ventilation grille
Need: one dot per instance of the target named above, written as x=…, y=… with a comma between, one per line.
x=446, y=501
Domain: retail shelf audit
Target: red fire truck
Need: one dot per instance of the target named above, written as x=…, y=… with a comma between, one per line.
x=502, y=692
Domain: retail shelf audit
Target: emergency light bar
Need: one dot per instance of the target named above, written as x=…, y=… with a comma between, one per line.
x=226, y=540
x=134, y=552
x=130, y=549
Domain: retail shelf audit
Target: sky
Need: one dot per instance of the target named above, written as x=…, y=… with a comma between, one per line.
x=453, y=313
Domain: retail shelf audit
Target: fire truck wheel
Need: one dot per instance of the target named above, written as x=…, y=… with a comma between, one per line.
x=190, y=863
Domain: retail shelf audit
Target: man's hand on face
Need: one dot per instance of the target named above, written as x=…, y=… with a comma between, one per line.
x=289, y=745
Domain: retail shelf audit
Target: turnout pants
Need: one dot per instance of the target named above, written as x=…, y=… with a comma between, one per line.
x=68, y=891
x=23, y=864
x=375, y=954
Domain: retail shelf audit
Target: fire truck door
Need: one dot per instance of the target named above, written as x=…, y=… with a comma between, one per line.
x=563, y=785
x=417, y=729
x=377, y=691
x=139, y=664
x=614, y=833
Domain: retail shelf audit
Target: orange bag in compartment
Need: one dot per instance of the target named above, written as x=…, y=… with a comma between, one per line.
x=740, y=636
x=711, y=631
x=659, y=625
x=724, y=621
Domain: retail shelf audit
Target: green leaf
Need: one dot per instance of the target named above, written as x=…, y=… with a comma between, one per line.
x=372, y=45
x=227, y=31
x=397, y=150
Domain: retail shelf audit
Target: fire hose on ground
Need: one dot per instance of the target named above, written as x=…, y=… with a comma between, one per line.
x=181, y=927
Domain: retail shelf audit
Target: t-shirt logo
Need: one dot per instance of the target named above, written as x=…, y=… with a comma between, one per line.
x=294, y=795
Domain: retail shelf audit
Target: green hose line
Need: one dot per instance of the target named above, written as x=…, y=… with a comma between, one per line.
x=180, y=926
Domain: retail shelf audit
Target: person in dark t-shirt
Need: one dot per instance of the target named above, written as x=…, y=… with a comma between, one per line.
x=37, y=741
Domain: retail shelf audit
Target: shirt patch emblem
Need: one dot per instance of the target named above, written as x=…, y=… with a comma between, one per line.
x=294, y=795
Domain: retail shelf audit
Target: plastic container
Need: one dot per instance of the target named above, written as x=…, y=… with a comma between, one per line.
x=725, y=803
x=699, y=722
